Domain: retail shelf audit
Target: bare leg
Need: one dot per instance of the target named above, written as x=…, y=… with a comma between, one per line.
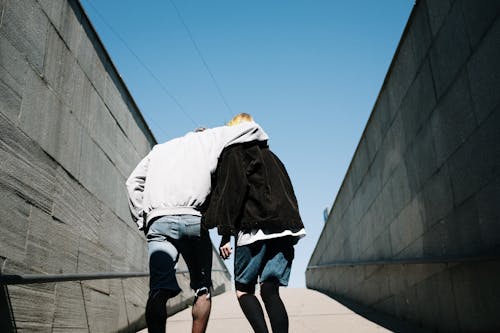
x=201, y=313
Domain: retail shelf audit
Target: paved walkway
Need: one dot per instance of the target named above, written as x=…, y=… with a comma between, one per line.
x=309, y=312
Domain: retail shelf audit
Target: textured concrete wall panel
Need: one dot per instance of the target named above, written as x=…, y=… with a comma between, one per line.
x=438, y=11
x=31, y=316
x=68, y=25
x=407, y=225
x=101, y=312
x=26, y=169
x=2, y=7
x=483, y=69
x=56, y=60
x=488, y=215
x=475, y=163
x=402, y=73
x=437, y=197
x=51, y=246
x=114, y=101
x=420, y=34
x=50, y=123
x=13, y=236
x=480, y=312
x=76, y=206
x=418, y=103
x=478, y=18
x=420, y=159
x=13, y=70
x=26, y=26
x=69, y=315
x=120, y=312
x=449, y=51
x=391, y=151
x=453, y=120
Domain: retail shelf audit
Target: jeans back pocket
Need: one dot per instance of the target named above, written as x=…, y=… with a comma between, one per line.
x=192, y=229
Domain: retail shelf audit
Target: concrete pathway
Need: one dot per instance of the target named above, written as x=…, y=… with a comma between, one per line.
x=309, y=312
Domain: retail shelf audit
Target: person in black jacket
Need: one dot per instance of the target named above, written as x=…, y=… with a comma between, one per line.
x=253, y=200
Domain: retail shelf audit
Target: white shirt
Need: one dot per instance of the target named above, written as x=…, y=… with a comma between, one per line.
x=245, y=238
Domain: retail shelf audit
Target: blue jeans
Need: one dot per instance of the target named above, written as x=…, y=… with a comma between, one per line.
x=169, y=236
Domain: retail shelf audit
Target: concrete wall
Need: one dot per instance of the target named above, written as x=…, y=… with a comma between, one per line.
x=424, y=182
x=70, y=134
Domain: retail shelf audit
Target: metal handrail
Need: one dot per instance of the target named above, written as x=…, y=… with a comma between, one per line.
x=11, y=279
x=409, y=261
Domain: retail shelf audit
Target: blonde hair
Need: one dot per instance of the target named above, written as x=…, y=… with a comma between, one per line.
x=239, y=118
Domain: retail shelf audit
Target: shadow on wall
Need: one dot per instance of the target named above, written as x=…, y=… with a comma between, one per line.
x=7, y=323
x=389, y=322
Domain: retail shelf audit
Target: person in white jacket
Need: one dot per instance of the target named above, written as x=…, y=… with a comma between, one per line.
x=167, y=192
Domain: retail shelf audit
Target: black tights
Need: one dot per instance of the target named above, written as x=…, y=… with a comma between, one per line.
x=253, y=311
x=269, y=291
x=156, y=311
x=275, y=309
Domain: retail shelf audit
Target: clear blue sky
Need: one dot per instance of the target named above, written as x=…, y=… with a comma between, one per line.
x=308, y=71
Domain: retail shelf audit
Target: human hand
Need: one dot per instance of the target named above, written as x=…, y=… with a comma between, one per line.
x=225, y=250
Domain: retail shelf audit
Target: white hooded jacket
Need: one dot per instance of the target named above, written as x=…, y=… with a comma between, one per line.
x=175, y=177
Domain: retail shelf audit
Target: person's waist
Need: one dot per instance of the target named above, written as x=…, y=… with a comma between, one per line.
x=178, y=210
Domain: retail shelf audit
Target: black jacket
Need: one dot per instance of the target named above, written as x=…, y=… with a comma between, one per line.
x=251, y=190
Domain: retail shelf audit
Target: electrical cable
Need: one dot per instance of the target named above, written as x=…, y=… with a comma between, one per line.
x=217, y=86
x=162, y=86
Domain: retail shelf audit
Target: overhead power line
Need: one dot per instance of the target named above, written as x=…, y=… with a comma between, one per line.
x=162, y=86
x=200, y=54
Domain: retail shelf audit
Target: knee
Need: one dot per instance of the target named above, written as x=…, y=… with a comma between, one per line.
x=203, y=291
x=160, y=296
x=269, y=290
x=202, y=295
x=157, y=300
x=243, y=289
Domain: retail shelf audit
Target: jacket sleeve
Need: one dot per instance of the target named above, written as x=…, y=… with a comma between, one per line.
x=218, y=138
x=229, y=193
x=135, y=190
